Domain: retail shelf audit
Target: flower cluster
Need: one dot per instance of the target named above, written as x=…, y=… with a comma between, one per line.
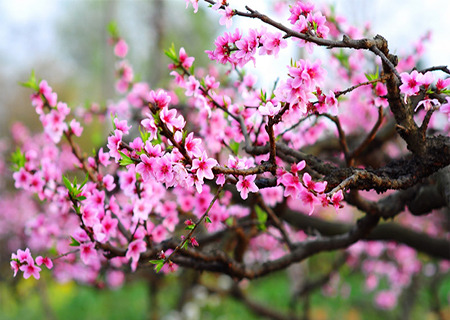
x=238, y=50
x=24, y=262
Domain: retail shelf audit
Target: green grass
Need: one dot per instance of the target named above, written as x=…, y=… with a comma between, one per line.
x=69, y=301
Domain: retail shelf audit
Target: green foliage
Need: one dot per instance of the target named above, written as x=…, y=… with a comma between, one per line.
x=373, y=76
x=126, y=160
x=262, y=218
x=17, y=160
x=171, y=53
x=113, y=29
x=75, y=189
x=74, y=242
x=158, y=264
x=32, y=82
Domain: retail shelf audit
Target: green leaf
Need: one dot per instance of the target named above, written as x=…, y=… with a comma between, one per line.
x=144, y=134
x=112, y=120
x=80, y=198
x=229, y=221
x=343, y=58
x=158, y=264
x=113, y=29
x=68, y=184
x=17, y=159
x=185, y=244
x=189, y=227
x=445, y=91
x=234, y=146
x=31, y=83
x=171, y=53
x=74, y=242
x=263, y=96
x=373, y=76
x=126, y=160
x=208, y=220
x=262, y=218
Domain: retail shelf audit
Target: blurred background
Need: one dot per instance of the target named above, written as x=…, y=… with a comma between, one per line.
x=65, y=42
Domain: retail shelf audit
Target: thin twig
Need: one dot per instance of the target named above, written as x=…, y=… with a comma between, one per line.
x=189, y=235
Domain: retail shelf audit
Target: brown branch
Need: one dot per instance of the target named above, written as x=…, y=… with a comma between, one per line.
x=189, y=235
x=222, y=264
x=355, y=153
x=340, y=93
x=277, y=222
x=342, y=137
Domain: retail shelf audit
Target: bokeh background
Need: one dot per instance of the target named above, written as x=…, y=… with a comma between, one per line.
x=65, y=42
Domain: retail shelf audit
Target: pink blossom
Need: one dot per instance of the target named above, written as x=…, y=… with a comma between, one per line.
x=441, y=84
x=134, y=251
x=445, y=108
x=141, y=209
x=122, y=126
x=227, y=14
x=30, y=269
x=108, y=182
x=160, y=98
x=146, y=167
x=46, y=91
x=22, y=179
x=44, y=260
x=292, y=185
x=121, y=48
x=76, y=128
x=114, y=143
x=88, y=254
x=428, y=104
x=192, y=145
x=203, y=166
x=311, y=185
x=22, y=255
x=273, y=195
x=103, y=157
x=246, y=184
x=14, y=266
x=159, y=233
x=192, y=87
x=269, y=109
x=163, y=169
x=410, y=83
x=272, y=43
x=171, y=120
x=185, y=60
x=386, y=300
x=309, y=199
x=150, y=126
x=336, y=199
x=194, y=4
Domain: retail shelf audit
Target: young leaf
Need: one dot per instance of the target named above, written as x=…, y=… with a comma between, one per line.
x=144, y=134
x=31, y=83
x=113, y=29
x=68, y=184
x=262, y=218
x=17, y=159
x=158, y=264
x=74, y=242
x=234, y=146
x=126, y=160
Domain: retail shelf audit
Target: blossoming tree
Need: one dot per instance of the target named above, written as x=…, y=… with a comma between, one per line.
x=218, y=175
